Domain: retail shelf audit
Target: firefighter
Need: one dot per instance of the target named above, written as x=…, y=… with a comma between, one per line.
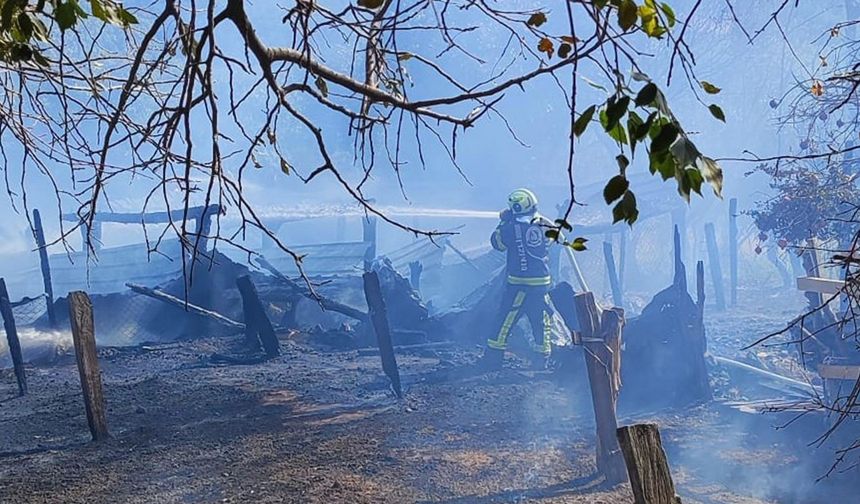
x=521, y=234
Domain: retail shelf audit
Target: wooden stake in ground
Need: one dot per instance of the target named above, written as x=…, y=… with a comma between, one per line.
x=258, y=327
x=714, y=262
x=614, y=281
x=646, y=462
x=39, y=234
x=601, y=337
x=733, y=249
x=379, y=317
x=369, y=237
x=84, y=336
x=12, y=338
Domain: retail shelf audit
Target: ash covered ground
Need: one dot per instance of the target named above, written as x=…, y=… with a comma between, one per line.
x=316, y=425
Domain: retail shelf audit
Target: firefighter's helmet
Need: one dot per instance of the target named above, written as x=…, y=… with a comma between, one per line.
x=522, y=201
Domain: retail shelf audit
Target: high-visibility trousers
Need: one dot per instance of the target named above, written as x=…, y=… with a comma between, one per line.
x=534, y=303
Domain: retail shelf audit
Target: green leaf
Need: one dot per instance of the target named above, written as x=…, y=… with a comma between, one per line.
x=322, y=85
x=404, y=56
x=552, y=234
x=662, y=162
x=66, y=15
x=617, y=133
x=25, y=26
x=126, y=18
x=634, y=126
x=600, y=3
x=627, y=14
x=564, y=50
x=646, y=95
x=717, y=112
x=670, y=14
x=623, y=163
x=665, y=138
x=709, y=88
x=582, y=122
x=536, y=19
x=615, y=188
x=626, y=210
x=694, y=180
x=371, y=4
x=578, y=244
x=615, y=110
x=285, y=167
x=639, y=76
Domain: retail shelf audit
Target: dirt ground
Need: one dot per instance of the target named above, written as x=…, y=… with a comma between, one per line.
x=322, y=427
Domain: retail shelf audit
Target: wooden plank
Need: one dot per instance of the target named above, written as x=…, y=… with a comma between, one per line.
x=148, y=218
x=714, y=263
x=614, y=281
x=733, y=250
x=83, y=334
x=820, y=285
x=257, y=323
x=186, y=306
x=379, y=317
x=39, y=234
x=650, y=477
x=12, y=338
x=600, y=364
x=839, y=372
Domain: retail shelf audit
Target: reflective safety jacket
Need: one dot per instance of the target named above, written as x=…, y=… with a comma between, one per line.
x=526, y=245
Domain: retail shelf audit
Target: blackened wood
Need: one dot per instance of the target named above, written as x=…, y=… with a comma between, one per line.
x=714, y=263
x=680, y=279
x=12, y=338
x=650, y=476
x=186, y=306
x=379, y=317
x=614, y=282
x=39, y=234
x=256, y=319
x=733, y=250
x=83, y=334
x=600, y=363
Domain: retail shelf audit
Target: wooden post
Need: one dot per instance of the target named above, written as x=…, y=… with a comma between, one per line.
x=733, y=249
x=369, y=233
x=379, y=317
x=203, y=227
x=39, y=234
x=679, y=222
x=647, y=466
x=601, y=337
x=12, y=338
x=622, y=257
x=614, y=281
x=714, y=262
x=680, y=278
x=810, y=264
x=83, y=334
x=257, y=323
x=415, y=269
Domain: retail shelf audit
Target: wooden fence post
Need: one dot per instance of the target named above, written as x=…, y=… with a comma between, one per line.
x=614, y=281
x=369, y=234
x=733, y=249
x=415, y=269
x=12, y=338
x=83, y=334
x=645, y=458
x=714, y=262
x=39, y=234
x=379, y=317
x=601, y=336
x=258, y=327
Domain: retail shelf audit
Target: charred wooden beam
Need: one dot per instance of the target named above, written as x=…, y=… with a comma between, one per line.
x=714, y=262
x=369, y=235
x=149, y=218
x=647, y=466
x=184, y=305
x=39, y=235
x=12, y=338
x=733, y=250
x=257, y=324
x=83, y=334
x=297, y=288
x=379, y=317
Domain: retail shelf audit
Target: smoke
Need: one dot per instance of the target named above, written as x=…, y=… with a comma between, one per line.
x=37, y=346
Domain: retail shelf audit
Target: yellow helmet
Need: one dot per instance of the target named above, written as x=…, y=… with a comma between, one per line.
x=522, y=201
